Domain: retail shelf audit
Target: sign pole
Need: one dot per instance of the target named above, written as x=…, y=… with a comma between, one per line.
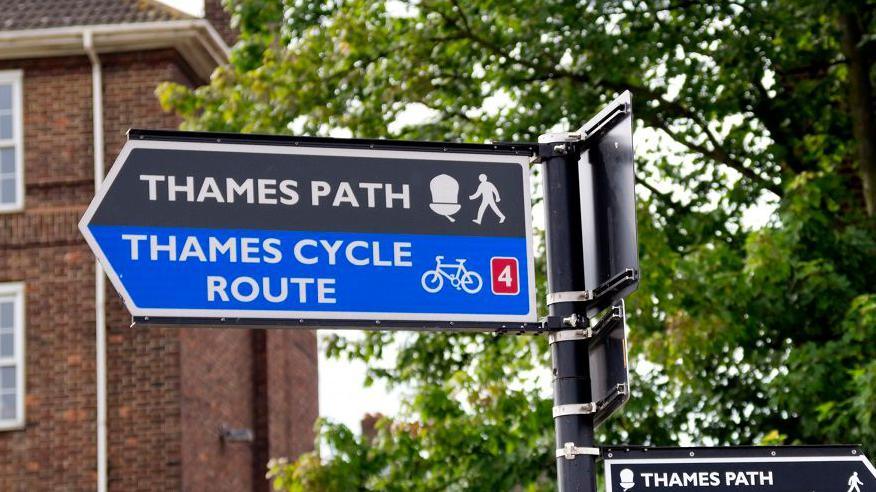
x=573, y=410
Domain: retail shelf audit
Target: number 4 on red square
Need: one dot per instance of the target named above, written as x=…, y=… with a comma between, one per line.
x=504, y=276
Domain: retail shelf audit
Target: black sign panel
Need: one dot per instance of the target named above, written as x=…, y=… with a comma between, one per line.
x=306, y=191
x=212, y=229
x=608, y=204
x=739, y=469
x=609, y=368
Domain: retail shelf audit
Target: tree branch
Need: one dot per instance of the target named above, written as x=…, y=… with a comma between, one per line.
x=861, y=106
x=664, y=197
x=717, y=153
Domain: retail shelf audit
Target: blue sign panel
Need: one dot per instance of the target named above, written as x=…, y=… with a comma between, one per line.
x=190, y=229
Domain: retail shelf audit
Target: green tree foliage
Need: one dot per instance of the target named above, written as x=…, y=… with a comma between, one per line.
x=740, y=333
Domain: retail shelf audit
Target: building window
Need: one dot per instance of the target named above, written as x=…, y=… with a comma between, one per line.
x=11, y=146
x=11, y=355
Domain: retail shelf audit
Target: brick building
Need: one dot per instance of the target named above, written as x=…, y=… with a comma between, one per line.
x=86, y=402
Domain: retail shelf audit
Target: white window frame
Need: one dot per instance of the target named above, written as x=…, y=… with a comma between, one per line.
x=15, y=290
x=17, y=140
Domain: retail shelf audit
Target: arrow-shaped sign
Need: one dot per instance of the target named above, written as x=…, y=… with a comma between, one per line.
x=219, y=228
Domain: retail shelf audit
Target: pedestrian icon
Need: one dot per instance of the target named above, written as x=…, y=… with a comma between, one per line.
x=445, y=196
x=489, y=196
x=626, y=479
x=855, y=483
x=460, y=277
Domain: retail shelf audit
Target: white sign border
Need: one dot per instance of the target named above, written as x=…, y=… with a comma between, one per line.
x=137, y=311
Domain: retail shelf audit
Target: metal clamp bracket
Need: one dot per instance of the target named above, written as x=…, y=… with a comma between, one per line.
x=570, y=451
x=575, y=409
x=569, y=296
x=570, y=335
x=570, y=322
x=557, y=144
x=613, y=284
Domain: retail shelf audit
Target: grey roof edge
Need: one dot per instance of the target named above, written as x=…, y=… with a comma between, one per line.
x=195, y=39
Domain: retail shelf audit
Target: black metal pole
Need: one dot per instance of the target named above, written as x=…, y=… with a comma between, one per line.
x=576, y=461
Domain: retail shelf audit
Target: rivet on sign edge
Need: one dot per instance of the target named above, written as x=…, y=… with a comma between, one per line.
x=772, y=453
x=854, y=451
x=691, y=454
x=610, y=455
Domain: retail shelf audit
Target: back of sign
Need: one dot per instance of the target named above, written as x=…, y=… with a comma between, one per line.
x=608, y=204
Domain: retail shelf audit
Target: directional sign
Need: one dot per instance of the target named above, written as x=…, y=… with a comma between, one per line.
x=209, y=228
x=739, y=469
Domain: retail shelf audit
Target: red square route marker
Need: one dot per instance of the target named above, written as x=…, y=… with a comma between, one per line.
x=504, y=276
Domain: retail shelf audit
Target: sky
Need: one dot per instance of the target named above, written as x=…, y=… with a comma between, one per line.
x=194, y=7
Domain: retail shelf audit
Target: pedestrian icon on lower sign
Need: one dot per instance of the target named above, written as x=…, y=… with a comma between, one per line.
x=855, y=483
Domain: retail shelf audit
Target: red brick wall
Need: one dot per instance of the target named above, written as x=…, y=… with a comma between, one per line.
x=143, y=365
x=168, y=388
x=292, y=386
x=42, y=247
x=220, y=19
x=217, y=390
x=263, y=381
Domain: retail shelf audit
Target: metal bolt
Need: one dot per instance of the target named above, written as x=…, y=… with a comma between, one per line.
x=854, y=451
x=560, y=149
x=772, y=453
x=610, y=455
x=691, y=454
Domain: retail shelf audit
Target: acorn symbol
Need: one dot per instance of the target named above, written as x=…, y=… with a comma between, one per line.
x=445, y=196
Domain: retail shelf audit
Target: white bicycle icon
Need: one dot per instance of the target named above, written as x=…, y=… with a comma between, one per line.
x=460, y=278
